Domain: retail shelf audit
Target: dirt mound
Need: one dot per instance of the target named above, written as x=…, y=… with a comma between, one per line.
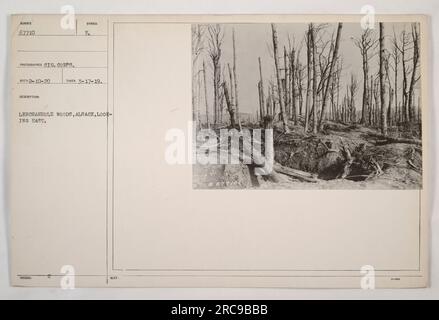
x=343, y=156
x=323, y=155
x=334, y=156
x=398, y=163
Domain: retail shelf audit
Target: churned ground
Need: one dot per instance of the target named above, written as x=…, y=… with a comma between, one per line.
x=340, y=157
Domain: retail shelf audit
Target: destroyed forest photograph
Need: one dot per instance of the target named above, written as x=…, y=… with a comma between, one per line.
x=307, y=106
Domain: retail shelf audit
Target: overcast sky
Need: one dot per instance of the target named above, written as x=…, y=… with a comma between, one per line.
x=255, y=40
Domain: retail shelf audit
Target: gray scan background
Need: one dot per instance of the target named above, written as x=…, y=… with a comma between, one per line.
x=7, y=7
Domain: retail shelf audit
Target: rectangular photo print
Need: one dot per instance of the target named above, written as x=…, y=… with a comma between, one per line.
x=307, y=106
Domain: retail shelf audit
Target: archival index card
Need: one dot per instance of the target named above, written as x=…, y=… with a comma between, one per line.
x=219, y=151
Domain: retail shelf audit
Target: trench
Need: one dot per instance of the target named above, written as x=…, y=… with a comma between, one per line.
x=329, y=159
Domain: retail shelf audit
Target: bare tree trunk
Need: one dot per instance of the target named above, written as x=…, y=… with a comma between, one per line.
x=343, y=110
x=214, y=50
x=389, y=108
x=232, y=100
x=229, y=106
x=404, y=80
x=293, y=71
x=314, y=82
x=195, y=106
x=371, y=101
x=308, y=69
x=382, y=84
x=279, y=82
x=198, y=121
x=415, y=59
x=285, y=86
x=333, y=61
x=235, y=82
x=365, y=82
x=352, y=90
x=269, y=102
x=376, y=114
x=261, y=81
x=230, y=94
x=395, y=61
x=338, y=90
x=396, y=91
x=216, y=84
x=299, y=81
x=197, y=43
x=390, y=92
x=273, y=102
x=205, y=95
x=261, y=104
x=365, y=43
x=220, y=108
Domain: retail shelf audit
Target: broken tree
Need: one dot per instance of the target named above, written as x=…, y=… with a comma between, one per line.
x=382, y=84
x=279, y=81
x=330, y=75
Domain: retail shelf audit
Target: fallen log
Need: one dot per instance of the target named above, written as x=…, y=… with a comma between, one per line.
x=298, y=174
x=265, y=169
